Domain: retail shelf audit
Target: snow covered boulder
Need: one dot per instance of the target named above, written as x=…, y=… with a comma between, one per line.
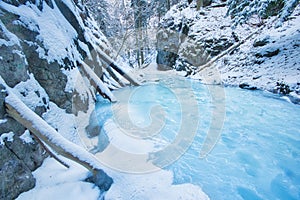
x=268, y=52
x=261, y=41
x=101, y=179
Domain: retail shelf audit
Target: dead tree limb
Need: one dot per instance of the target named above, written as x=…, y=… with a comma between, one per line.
x=116, y=67
x=41, y=129
x=96, y=82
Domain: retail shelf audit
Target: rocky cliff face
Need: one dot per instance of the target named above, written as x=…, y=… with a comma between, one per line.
x=42, y=43
x=185, y=39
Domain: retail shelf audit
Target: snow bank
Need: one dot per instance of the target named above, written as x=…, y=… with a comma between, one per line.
x=54, y=181
x=31, y=93
x=260, y=66
x=68, y=184
x=152, y=186
x=13, y=39
x=64, y=123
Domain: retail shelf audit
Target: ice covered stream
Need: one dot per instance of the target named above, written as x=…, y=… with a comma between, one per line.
x=257, y=153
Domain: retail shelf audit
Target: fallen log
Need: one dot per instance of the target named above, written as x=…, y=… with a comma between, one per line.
x=114, y=76
x=48, y=150
x=41, y=129
x=115, y=66
x=96, y=82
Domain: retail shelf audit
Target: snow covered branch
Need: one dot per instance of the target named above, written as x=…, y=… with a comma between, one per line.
x=115, y=66
x=96, y=82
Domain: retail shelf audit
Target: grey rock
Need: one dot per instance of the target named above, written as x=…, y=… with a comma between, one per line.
x=247, y=86
x=101, y=179
x=17, y=158
x=165, y=60
x=79, y=104
x=179, y=42
x=207, y=2
x=2, y=97
x=13, y=66
x=30, y=153
x=11, y=125
x=167, y=48
x=15, y=176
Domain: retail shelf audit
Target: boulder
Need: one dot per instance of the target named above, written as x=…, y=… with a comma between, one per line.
x=247, y=86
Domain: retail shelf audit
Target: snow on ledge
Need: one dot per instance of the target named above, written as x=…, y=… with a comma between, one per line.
x=6, y=137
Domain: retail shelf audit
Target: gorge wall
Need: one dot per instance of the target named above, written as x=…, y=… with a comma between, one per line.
x=42, y=43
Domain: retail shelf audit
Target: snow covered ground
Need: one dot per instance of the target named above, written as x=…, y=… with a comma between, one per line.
x=54, y=181
x=273, y=66
x=269, y=60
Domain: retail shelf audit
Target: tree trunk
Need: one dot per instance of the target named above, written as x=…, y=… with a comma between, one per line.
x=199, y=4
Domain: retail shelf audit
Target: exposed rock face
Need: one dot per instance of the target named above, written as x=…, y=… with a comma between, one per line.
x=187, y=42
x=205, y=2
x=14, y=174
x=169, y=39
x=18, y=158
x=167, y=49
x=40, y=65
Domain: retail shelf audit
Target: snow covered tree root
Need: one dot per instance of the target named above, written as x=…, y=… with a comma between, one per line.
x=41, y=129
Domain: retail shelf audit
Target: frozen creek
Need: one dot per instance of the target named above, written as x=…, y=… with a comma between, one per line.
x=256, y=156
